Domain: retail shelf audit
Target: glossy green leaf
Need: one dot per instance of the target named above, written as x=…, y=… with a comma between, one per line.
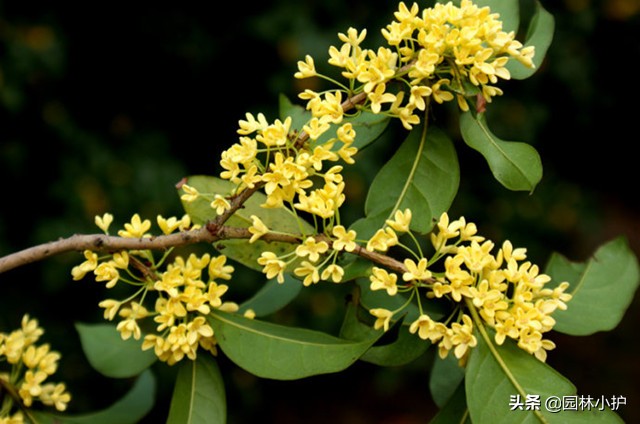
x=109, y=354
x=515, y=165
x=422, y=175
x=367, y=125
x=446, y=375
x=284, y=353
x=401, y=350
x=454, y=411
x=273, y=296
x=602, y=288
x=539, y=35
x=130, y=409
x=198, y=395
x=279, y=219
x=495, y=374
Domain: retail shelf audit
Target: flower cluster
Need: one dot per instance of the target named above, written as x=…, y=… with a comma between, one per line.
x=183, y=296
x=443, y=53
x=502, y=290
x=31, y=365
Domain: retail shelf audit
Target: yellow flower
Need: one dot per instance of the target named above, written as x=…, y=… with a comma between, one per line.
x=346, y=133
x=219, y=269
x=306, y=69
x=273, y=266
x=462, y=337
x=220, y=204
x=111, y=307
x=107, y=271
x=382, y=280
x=79, y=271
x=401, y=221
x=333, y=271
x=345, y=239
x=215, y=292
x=257, y=229
x=415, y=271
x=309, y=272
x=104, y=221
x=251, y=124
x=129, y=327
x=383, y=318
x=56, y=395
x=378, y=96
x=137, y=228
x=382, y=240
x=169, y=225
x=312, y=248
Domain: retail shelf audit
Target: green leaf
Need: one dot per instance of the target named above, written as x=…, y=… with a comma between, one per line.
x=539, y=35
x=109, y=354
x=444, y=378
x=284, y=353
x=280, y=219
x=130, y=409
x=273, y=296
x=496, y=373
x=423, y=175
x=199, y=394
x=515, y=165
x=455, y=410
x=602, y=288
x=405, y=348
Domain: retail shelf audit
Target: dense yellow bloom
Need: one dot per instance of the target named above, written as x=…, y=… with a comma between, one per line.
x=31, y=366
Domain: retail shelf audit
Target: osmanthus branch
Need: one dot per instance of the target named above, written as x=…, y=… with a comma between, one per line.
x=210, y=233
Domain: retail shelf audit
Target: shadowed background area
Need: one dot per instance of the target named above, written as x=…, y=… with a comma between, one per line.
x=103, y=108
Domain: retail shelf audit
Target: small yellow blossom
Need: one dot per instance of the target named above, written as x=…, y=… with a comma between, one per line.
x=333, y=271
x=401, y=221
x=273, y=267
x=415, y=271
x=383, y=280
x=312, y=248
x=257, y=229
x=137, y=228
x=103, y=222
x=345, y=239
x=309, y=272
x=383, y=318
x=306, y=69
x=79, y=271
x=382, y=240
x=220, y=204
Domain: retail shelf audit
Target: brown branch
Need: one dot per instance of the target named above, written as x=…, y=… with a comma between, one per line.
x=105, y=243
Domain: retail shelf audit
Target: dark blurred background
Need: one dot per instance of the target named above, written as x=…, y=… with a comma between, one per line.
x=105, y=106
